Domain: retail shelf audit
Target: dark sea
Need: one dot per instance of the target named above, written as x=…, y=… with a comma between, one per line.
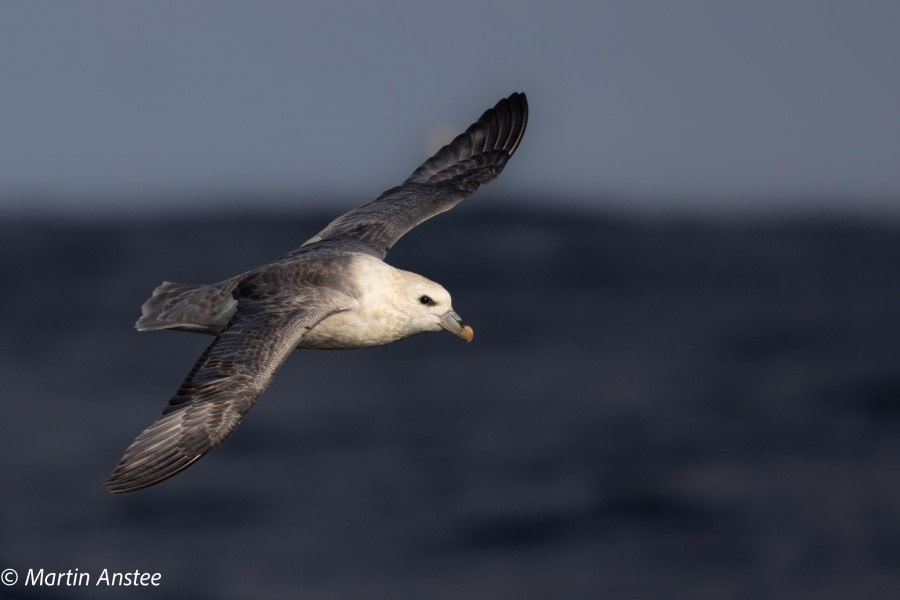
x=667, y=407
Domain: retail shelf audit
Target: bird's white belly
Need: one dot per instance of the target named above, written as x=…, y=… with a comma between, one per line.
x=356, y=329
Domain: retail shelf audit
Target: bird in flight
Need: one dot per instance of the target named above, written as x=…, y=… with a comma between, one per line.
x=334, y=291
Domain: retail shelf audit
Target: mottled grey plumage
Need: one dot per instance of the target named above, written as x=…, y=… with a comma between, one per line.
x=332, y=292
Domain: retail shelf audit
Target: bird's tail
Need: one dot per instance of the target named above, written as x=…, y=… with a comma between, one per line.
x=187, y=307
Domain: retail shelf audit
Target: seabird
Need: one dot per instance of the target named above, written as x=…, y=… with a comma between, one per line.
x=334, y=291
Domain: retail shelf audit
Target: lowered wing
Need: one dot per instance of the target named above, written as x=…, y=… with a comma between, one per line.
x=224, y=384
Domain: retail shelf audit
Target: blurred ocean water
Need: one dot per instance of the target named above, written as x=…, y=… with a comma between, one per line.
x=650, y=408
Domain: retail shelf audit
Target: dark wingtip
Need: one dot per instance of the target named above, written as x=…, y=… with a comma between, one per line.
x=127, y=478
x=162, y=450
x=513, y=108
x=510, y=117
x=479, y=153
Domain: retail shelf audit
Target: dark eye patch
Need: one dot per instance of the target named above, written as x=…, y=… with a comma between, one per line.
x=426, y=300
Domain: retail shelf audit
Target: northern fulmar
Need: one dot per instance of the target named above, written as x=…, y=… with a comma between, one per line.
x=334, y=291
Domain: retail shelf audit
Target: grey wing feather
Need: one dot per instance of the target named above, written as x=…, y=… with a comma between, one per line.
x=487, y=143
x=223, y=385
x=474, y=157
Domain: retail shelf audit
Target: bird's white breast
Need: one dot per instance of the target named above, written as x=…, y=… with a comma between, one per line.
x=376, y=319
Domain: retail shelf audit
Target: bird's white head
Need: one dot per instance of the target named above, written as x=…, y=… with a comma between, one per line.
x=428, y=306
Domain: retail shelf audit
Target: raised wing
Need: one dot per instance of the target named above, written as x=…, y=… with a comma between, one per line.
x=475, y=157
x=223, y=385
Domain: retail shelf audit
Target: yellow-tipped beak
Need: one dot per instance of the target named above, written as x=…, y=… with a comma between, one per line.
x=454, y=324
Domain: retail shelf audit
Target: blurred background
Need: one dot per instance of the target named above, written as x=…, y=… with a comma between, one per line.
x=684, y=378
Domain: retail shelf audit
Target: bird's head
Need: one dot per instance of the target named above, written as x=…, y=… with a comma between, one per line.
x=428, y=306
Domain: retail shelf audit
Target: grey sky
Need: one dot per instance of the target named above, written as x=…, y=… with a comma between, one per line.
x=716, y=103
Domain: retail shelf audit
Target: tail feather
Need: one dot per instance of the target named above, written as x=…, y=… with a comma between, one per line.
x=187, y=307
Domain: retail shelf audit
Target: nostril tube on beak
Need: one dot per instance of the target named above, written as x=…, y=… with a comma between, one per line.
x=454, y=324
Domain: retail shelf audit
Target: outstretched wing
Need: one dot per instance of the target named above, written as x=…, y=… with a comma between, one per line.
x=475, y=157
x=223, y=385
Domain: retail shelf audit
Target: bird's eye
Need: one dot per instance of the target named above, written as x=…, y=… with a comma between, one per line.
x=426, y=300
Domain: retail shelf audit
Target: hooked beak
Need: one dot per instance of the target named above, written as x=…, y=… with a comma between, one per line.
x=454, y=324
